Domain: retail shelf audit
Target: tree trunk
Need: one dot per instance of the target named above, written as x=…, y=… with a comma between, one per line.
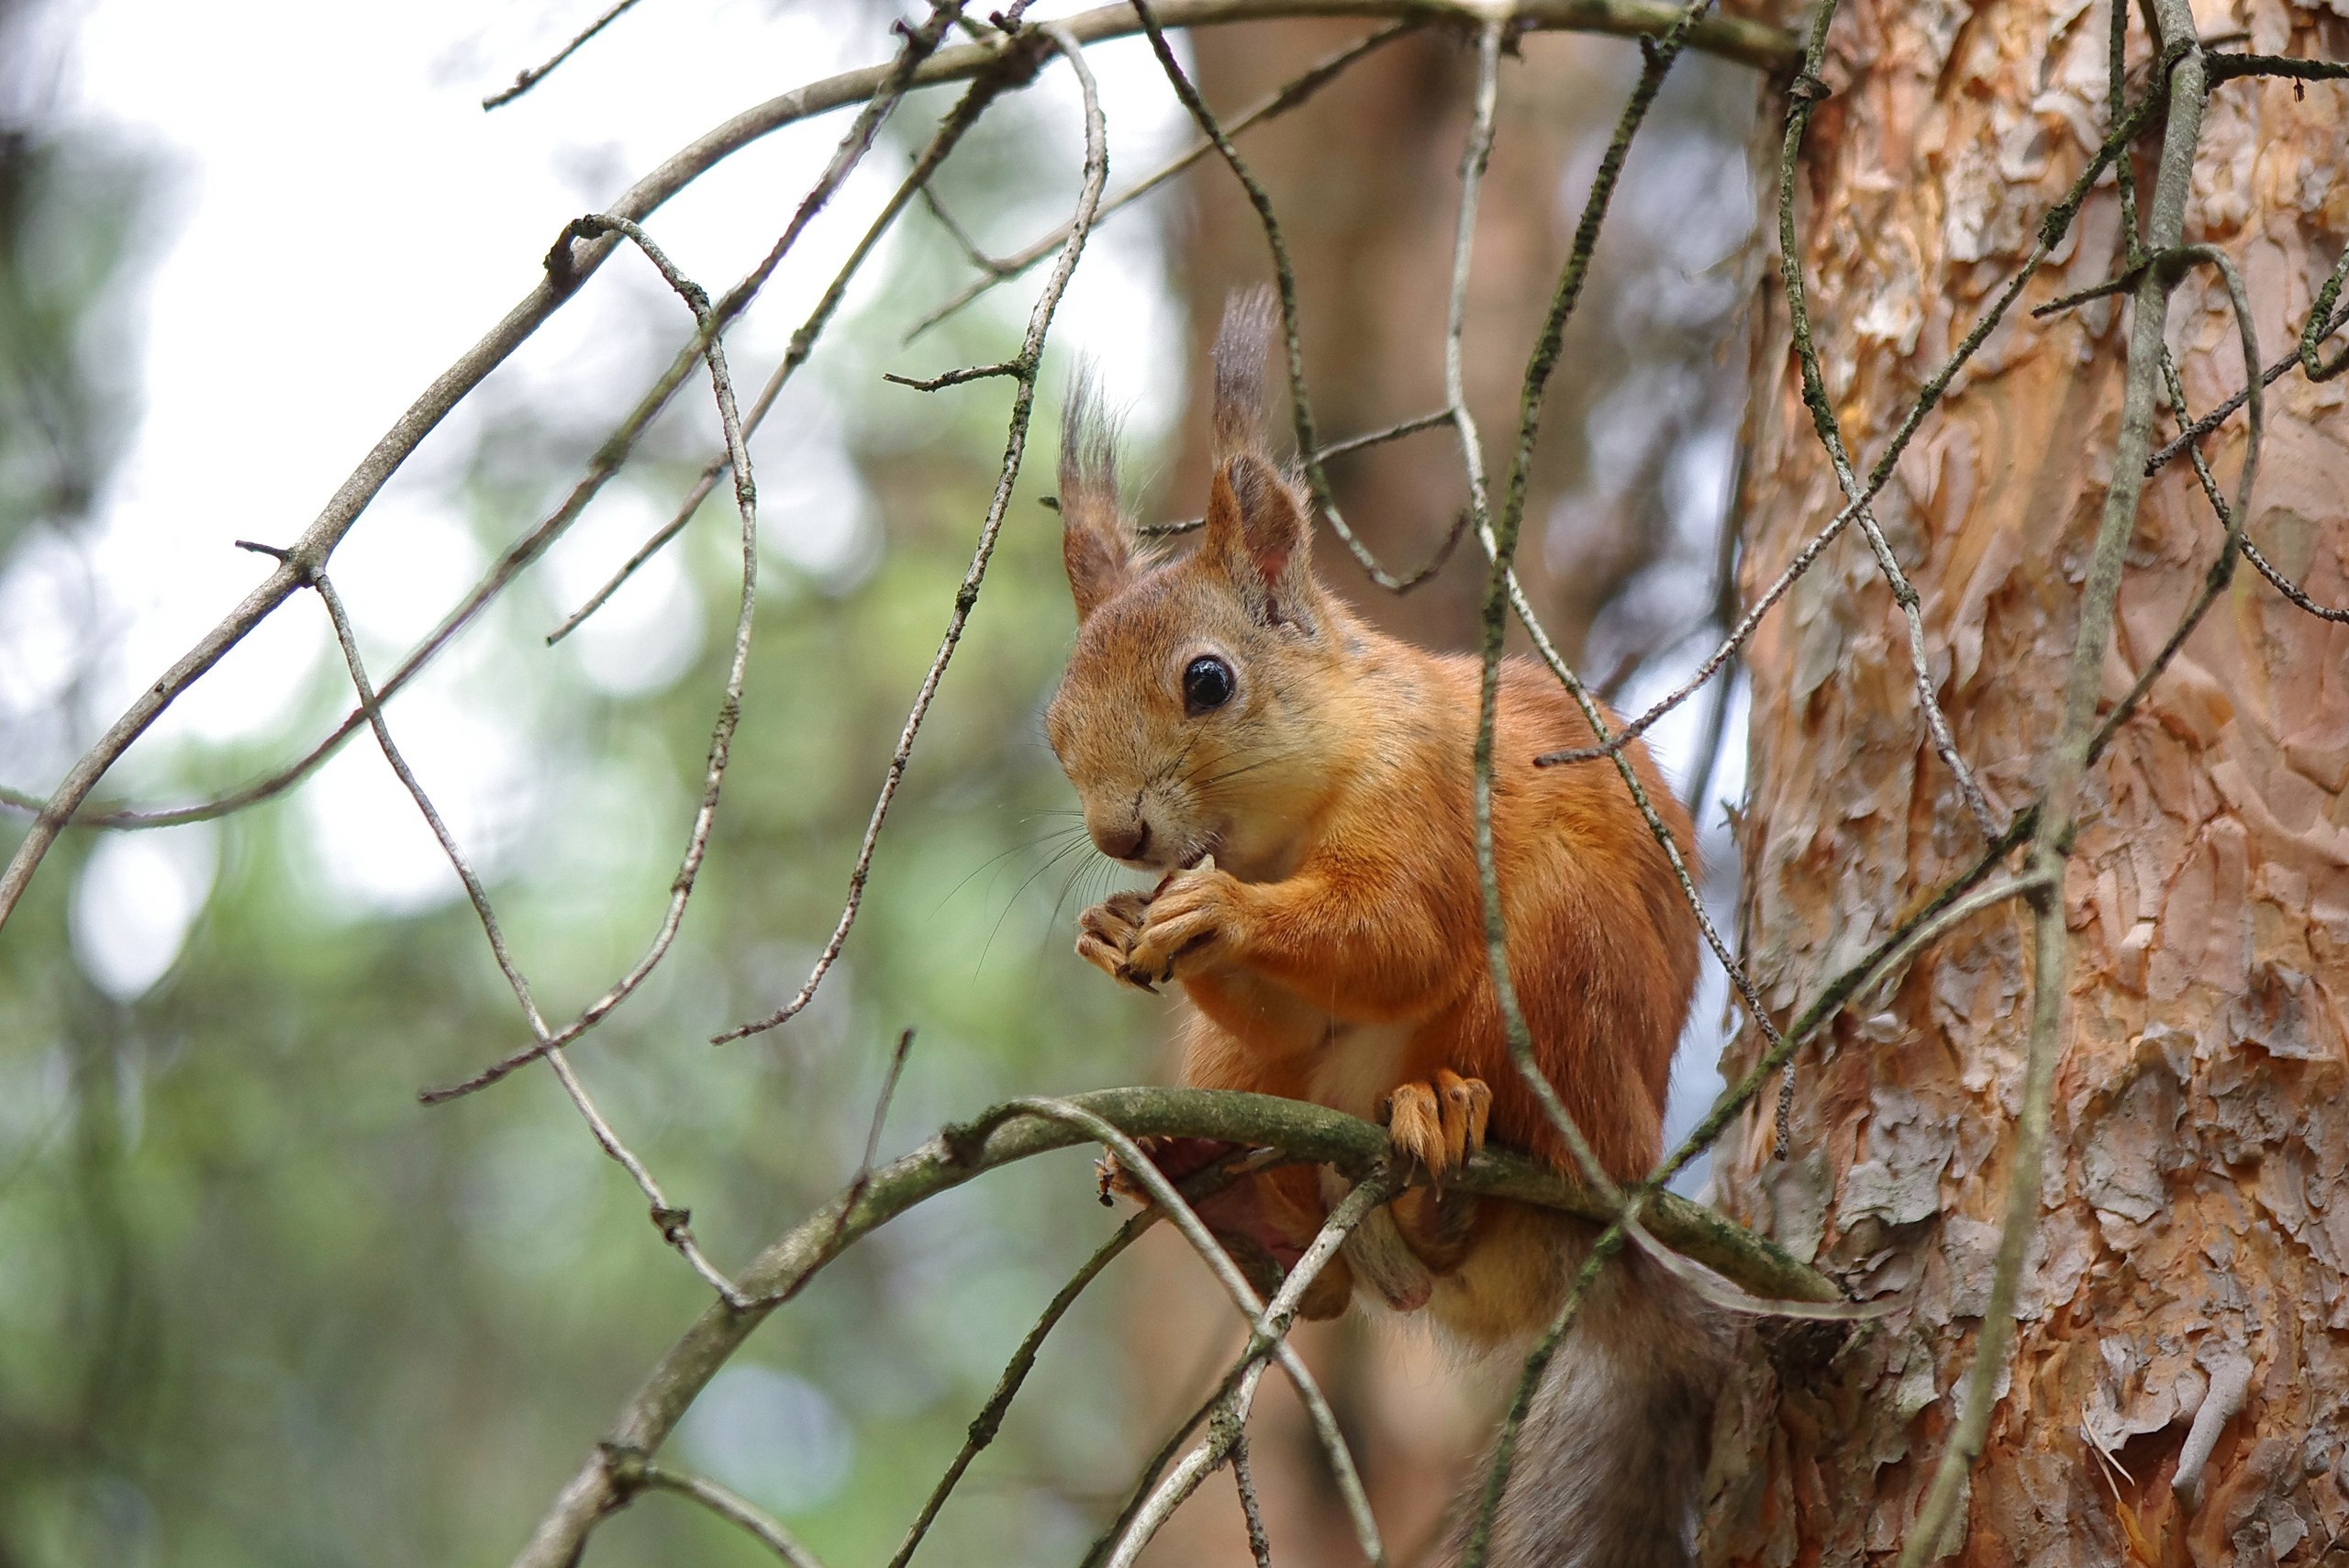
x=2193, y=1225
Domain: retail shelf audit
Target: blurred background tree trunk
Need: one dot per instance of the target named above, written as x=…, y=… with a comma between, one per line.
x=2188, y=1225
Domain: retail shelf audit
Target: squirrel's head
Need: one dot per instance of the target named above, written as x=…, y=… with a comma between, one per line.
x=1189, y=719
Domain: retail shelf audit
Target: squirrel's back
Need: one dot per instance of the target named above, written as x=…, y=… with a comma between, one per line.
x=1602, y=942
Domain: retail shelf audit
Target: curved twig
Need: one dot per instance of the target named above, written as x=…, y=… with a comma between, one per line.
x=1230, y=1415
x=950, y=132
x=730, y=707
x=527, y=79
x=1004, y=1136
x=2232, y=520
x=567, y=267
x=1269, y=1324
x=1025, y=369
x=2052, y=227
x=727, y=1504
x=1280, y=101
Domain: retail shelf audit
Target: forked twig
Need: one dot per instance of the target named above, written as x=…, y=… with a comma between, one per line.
x=730, y=707
x=2052, y=227
x=734, y=1508
x=975, y=101
x=674, y=1223
x=1023, y=398
x=1308, y=442
x=1280, y=101
x=1270, y=1341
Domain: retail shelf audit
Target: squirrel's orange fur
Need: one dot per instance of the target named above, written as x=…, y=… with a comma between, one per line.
x=1334, y=948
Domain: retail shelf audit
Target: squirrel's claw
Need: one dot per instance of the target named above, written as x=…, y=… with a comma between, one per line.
x=1191, y=918
x=1439, y=1124
x=1105, y=936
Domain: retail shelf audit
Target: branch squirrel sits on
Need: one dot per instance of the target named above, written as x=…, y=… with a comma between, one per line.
x=1303, y=782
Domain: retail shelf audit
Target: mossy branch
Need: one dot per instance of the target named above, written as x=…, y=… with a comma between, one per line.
x=1004, y=1136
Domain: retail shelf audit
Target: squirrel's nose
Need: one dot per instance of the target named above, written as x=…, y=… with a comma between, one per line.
x=1124, y=843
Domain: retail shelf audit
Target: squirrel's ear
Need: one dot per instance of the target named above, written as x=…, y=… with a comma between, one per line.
x=1093, y=535
x=1256, y=530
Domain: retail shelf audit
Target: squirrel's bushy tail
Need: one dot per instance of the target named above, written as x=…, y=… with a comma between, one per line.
x=1611, y=1458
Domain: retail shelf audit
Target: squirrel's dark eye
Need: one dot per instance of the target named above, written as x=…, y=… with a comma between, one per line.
x=1207, y=682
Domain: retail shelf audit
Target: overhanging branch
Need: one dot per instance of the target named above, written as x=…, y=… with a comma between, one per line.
x=1004, y=1136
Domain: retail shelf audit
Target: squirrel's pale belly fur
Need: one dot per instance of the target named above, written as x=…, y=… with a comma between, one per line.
x=1304, y=781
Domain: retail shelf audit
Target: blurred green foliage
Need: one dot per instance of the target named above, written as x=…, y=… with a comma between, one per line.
x=258, y=1304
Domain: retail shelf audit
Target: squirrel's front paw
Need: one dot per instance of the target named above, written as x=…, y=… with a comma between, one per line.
x=1106, y=933
x=1439, y=1124
x=1190, y=926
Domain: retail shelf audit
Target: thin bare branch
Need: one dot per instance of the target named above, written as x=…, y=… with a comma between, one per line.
x=1503, y=592
x=2269, y=377
x=1023, y=398
x=1726, y=552
x=1839, y=993
x=1260, y=1545
x=730, y=707
x=879, y=1115
x=969, y=247
x=1270, y=1325
x=975, y=101
x=564, y=273
x=2226, y=67
x=956, y=377
x=990, y=1419
x=1279, y=102
x=729, y=1505
x=672, y=1221
x=2312, y=335
x=1937, y=1529
x=2231, y=518
x=2052, y=227
x=1500, y=546
x=1229, y=1422
x=1339, y=449
x=1887, y=970
x=1308, y=441
x=526, y=80
x=1803, y=96
x=1474, y=1551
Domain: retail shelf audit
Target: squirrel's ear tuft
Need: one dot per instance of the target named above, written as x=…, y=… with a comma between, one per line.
x=1240, y=344
x=1256, y=530
x=1092, y=534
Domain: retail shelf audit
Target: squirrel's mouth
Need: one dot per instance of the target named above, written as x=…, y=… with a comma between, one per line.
x=1204, y=850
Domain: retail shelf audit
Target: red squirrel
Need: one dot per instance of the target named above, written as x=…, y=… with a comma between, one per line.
x=1302, y=781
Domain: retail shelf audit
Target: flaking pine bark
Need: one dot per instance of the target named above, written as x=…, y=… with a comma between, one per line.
x=2177, y=1391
